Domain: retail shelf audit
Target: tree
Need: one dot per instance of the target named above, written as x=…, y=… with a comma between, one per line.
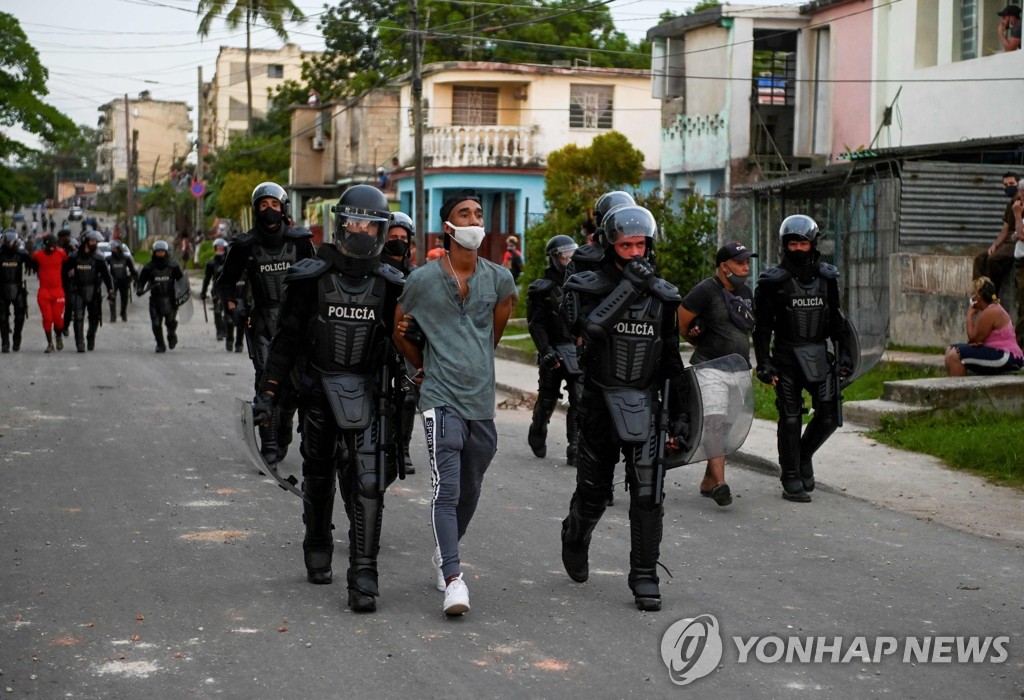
x=273, y=12
x=577, y=176
x=23, y=85
x=235, y=195
x=368, y=41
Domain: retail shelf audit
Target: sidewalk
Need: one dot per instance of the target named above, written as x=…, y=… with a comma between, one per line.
x=855, y=465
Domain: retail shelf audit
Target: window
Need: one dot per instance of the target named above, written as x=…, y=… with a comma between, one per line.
x=590, y=107
x=968, y=29
x=474, y=106
x=275, y=70
x=668, y=68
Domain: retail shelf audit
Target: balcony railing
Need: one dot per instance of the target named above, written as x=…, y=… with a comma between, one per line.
x=464, y=146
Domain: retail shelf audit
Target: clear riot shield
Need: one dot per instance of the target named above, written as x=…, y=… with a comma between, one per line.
x=183, y=298
x=720, y=403
x=864, y=351
x=248, y=427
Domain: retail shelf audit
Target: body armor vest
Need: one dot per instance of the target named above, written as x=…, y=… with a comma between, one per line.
x=119, y=268
x=87, y=279
x=804, y=318
x=266, y=278
x=348, y=330
x=631, y=353
x=10, y=275
x=162, y=291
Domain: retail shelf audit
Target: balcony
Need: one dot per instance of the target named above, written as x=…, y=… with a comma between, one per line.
x=481, y=146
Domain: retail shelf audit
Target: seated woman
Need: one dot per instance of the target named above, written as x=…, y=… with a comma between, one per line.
x=991, y=347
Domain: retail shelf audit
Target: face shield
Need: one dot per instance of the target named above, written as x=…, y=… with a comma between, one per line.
x=361, y=235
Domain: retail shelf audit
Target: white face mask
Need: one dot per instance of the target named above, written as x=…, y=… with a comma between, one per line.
x=469, y=237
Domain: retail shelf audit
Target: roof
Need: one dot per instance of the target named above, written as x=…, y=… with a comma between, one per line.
x=715, y=15
x=1000, y=143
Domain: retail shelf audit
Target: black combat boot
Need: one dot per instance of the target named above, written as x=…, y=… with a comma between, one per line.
x=577, y=529
x=79, y=333
x=49, y=342
x=366, y=517
x=538, y=434
x=158, y=333
x=17, y=339
x=90, y=341
x=317, y=514
x=60, y=340
x=645, y=527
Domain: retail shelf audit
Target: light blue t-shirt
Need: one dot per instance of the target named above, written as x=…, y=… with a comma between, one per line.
x=458, y=361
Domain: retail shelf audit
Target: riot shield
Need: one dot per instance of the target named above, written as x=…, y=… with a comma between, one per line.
x=720, y=403
x=248, y=427
x=864, y=352
x=183, y=298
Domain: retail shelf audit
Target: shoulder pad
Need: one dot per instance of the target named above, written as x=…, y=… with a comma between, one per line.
x=828, y=271
x=389, y=273
x=589, y=282
x=666, y=291
x=774, y=274
x=298, y=232
x=243, y=239
x=307, y=268
x=540, y=287
x=589, y=253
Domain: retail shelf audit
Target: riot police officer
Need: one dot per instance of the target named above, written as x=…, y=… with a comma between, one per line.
x=85, y=270
x=338, y=314
x=589, y=255
x=264, y=254
x=69, y=244
x=158, y=277
x=13, y=261
x=796, y=310
x=397, y=253
x=221, y=320
x=124, y=274
x=626, y=317
x=556, y=349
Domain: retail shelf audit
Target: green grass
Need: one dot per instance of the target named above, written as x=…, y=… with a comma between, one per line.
x=989, y=444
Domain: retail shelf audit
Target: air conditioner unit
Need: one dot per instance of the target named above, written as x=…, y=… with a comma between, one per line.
x=318, y=144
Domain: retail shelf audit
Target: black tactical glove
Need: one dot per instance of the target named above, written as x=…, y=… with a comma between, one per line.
x=202, y=295
x=262, y=407
x=765, y=372
x=414, y=334
x=640, y=273
x=111, y=295
x=549, y=359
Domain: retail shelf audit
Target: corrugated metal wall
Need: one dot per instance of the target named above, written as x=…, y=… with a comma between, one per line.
x=950, y=205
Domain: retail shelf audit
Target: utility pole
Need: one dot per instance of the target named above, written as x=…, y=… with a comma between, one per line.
x=133, y=180
x=129, y=200
x=200, y=227
x=417, y=108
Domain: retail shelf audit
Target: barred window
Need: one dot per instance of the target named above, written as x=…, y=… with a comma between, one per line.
x=474, y=106
x=590, y=106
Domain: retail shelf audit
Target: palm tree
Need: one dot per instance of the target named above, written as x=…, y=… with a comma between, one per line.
x=273, y=12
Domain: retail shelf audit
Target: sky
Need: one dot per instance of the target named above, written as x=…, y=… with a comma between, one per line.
x=99, y=50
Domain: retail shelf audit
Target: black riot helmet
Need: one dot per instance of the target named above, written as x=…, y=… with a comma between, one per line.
x=94, y=236
x=115, y=248
x=10, y=238
x=630, y=220
x=161, y=261
x=798, y=227
x=272, y=190
x=395, y=247
x=361, y=219
x=222, y=244
x=401, y=219
x=559, y=249
x=161, y=245
x=606, y=202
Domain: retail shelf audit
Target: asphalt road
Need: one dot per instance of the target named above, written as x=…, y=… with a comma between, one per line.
x=142, y=555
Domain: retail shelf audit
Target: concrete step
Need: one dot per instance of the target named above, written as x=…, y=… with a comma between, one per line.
x=1000, y=393
x=870, y=413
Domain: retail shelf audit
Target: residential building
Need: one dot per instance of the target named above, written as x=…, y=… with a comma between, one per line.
x=725, y=78
x=162, y=129
x=225, y=108
x=491, y=126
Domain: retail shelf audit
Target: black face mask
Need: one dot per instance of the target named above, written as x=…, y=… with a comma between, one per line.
x=160, y=261
x=1010, y=190
x=396, y=248
x=270, y=218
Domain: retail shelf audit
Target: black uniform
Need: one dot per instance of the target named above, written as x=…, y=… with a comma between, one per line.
x=796, y=309
x=336, y=320
x=159, y=277
x=410, y=392
x=13, y=262
x=631, y=345
x=69, y=289
x=85, y=271
x=124, y=274
x=264, y=258
x=221, y=319
x=555, y=344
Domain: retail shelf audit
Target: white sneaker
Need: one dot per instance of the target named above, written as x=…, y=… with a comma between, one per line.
x=436, y=560
x=456, y=597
